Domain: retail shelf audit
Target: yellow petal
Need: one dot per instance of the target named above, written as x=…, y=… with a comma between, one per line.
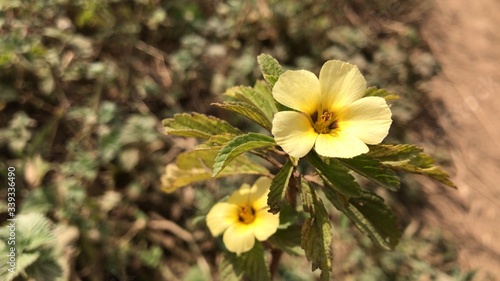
x=241, y=196
x=341, y=83
x=221, y=216
x=368, y=118
x=265, y=224
x=299, y=90
x=239, y=238
x=340, y=144
x=260, y=189
x=294, y=133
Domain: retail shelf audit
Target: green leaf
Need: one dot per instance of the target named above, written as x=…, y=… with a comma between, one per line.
x=264, y=91
x=251, y=264
x=194, y=166
x=226, y=269
x=288, y=240
x=278, y=187
x=35, y=232
x=35, y=242
x=26, y=259
x=40, y=200
x=370, y=215
x=394, y=152
x=197, y=125
x=45, y=268
x=374, y=92
x=216, y=142
x=372, y=169
x=289, y=215
x=270, y=68
x=247, y=110
x=238, y=146
x=316, y=232
x=336, y=174
x=259, y=97
x=23, y=260
x=411, y=159
x=307, y=197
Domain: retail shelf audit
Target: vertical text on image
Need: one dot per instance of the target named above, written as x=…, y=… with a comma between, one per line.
x=11, y=210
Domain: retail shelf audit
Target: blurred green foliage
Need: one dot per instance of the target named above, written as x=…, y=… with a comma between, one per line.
x=84, y=85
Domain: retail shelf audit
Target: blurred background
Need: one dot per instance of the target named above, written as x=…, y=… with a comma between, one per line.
x=84, y=85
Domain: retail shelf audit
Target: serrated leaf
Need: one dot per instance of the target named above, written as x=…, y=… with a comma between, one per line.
x=371, y=215
x=247, y=110
x=307, y=197
x=288, y=240
x=278, y=187
x=226, y=270
x=316, y=232
x=270, y=68
x=335, y=173
x=264, y=91
x=394, y=152
x=35, y=231
x=45, y=268
x=216, y=142
x=197, y=125
x=374, y=92
x=26, y=259
x=251, y=264
x=372, y=169
x=195, y=166
x=259, y=97
x=34, y=244
x=23, y=260
x=238, y=146
x=411, y=159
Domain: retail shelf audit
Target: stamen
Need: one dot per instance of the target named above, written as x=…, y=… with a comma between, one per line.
x=326, y=122
x=246, y=214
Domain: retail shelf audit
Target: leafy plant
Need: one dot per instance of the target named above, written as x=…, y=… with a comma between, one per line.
x=35, y=254
x=307, y=177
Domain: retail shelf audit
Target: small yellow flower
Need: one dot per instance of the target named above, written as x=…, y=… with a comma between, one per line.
x=332, y=116
x=244, y=217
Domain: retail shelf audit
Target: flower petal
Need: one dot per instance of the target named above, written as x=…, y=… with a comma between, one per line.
x=260, y=189
x=239, y=238
x=368, y=118
x=221, y=216
x=293, y=131
x=241, y=196
x=340, y=144
x=341, y=83
x=299, y=90
x=265, y=224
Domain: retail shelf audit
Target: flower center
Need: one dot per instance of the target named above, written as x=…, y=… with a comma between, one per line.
x=246, y=214
x=325, y=123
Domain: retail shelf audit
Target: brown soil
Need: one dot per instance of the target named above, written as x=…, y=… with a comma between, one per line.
x=465, y=38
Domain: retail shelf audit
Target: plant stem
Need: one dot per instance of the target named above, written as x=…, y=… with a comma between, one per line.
x=275, y=261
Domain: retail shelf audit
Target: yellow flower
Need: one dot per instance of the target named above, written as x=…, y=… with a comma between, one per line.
x=333, y=117
x=244, y=217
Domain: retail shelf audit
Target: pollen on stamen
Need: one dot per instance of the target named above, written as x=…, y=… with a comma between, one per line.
x=246, y=214
x=325, y=123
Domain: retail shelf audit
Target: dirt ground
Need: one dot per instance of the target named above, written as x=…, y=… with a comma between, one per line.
x=465, y=38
